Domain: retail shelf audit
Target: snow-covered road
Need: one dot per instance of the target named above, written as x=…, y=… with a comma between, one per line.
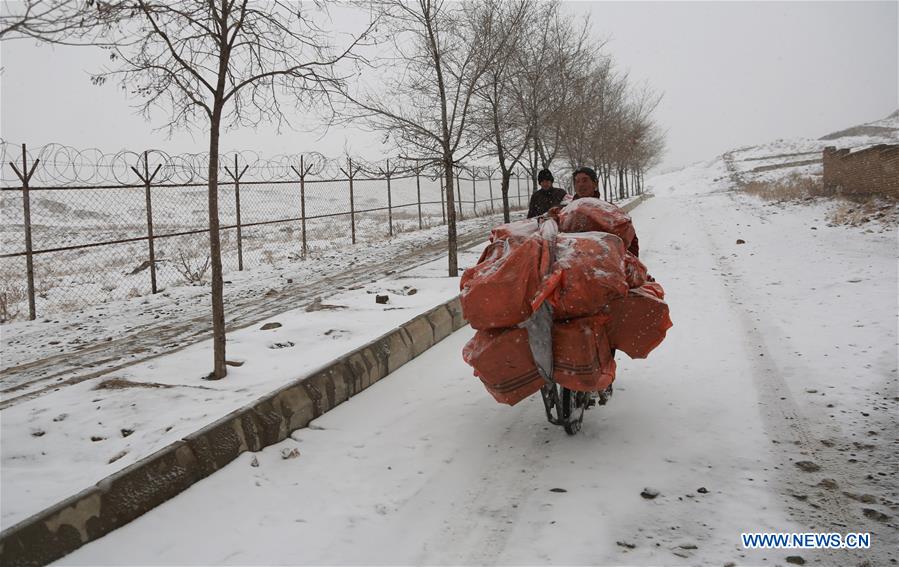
x=783, y=352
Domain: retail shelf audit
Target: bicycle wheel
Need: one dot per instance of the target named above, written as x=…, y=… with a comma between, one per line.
x=573, y=405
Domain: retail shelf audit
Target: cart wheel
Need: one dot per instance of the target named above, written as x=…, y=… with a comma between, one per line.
x=573, y=404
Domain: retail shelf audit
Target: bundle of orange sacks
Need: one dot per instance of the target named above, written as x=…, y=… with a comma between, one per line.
x=581, y=260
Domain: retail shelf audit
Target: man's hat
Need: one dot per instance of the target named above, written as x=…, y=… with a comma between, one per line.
x=545, y=175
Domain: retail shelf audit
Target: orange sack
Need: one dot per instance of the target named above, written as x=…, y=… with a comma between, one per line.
x=592, y=269
x=582, y=357
x=517, y=231
x=591, y=214
x=498, y=291
x=502, y=359
x=638, y=322
x=635, y=271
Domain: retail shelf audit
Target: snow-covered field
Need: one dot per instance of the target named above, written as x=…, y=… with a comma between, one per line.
x=770, y=407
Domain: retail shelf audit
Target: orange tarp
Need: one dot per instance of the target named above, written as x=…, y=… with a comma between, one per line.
x=591, y=214
x=498, y=291
x=503, y=361
x=591, y=272
x=638, y=323
x=582, y=357
x=601, y=297
x=517, y=231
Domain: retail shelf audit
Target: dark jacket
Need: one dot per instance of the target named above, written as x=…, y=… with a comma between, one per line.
x=544, y=199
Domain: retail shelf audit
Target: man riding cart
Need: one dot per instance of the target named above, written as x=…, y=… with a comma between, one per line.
x=552, y=299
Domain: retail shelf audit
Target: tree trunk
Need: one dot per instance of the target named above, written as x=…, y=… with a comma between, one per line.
x=620, y=183
x=507, y=176
x=450, y=216
x=215, y=253
x=607, y=183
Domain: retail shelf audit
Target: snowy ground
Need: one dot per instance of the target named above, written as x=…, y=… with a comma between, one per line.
x=62, y=437
x=775, y=393
x=40, y=356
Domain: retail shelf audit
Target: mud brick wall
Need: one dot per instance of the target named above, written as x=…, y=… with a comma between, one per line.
x=873, y=171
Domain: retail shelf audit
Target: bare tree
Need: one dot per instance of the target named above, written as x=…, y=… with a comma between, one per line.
x=67, y=22
x=556, y=50
x=582, y=124
x=630, y=133
x=610, y=98
x=212, y=64
x=503, y=25
x=36, y=18
x=439, y=59
x=608, y=125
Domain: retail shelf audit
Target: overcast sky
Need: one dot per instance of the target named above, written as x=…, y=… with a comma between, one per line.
x=732, y=74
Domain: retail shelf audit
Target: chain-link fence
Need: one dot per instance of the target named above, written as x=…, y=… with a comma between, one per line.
x=81, y=228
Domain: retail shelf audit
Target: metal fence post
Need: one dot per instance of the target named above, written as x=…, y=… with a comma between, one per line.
x=442, y=199
x=418, y=192
x=352, y=204
x=459, y=194
x=146, y=178
x=236, y=177
x=350, y=174
x=303, y=206
x=303, y=171
x=490, y=187
x=518, y=185
x=25, y=178
x=474, y=194
x=389, y=201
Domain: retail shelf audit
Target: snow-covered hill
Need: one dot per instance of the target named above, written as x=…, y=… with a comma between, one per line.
x=773, y=161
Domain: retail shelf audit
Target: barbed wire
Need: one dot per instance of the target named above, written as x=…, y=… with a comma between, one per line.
x=62, y=166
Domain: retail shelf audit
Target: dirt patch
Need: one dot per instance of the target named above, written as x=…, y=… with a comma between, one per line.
x=119, y=384
x=860, y=212
x=791, y=188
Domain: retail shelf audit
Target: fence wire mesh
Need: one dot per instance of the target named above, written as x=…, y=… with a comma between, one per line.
x=91, y=219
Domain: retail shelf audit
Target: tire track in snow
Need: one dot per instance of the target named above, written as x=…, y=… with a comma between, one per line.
x=789, y=430
x=478, y=530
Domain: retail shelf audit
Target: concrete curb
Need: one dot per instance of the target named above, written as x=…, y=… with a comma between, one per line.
x=133, y=491
x=628, y=207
